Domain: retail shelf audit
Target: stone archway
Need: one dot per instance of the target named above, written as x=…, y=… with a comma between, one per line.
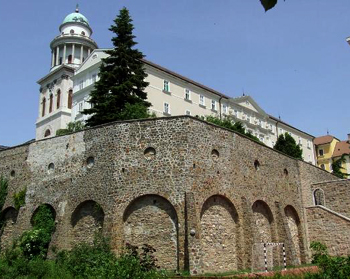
x=9, y=219
x=87, y=220
x=219, y=235
x=263, y=233
x=152, y=220
x=293, y=235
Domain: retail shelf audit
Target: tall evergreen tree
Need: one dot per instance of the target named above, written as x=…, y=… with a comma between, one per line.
x=119, y=94
x=286, y=144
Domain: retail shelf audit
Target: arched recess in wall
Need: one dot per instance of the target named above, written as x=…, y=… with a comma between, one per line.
x=319, y=197
x=47, y=133
x=8, y=218
x=87, y=220
x=263, y=233
x=152, y=220
x=70, y=98
x=220, y=238
x=294, y=236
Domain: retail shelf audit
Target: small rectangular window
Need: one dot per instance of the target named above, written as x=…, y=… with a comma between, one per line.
x=80, y=107
x=201, y=100
x=213, y=104
x=320, y=152
x=224, y=108
x=187, y=94
x=81, y=85
x=166, y=108
x=308, y=144
x=166, y=86
x=94, y=77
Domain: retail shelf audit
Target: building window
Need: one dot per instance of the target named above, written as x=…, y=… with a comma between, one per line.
x=166, y=108
x=83, y=33
x=81, y=85
x=80, y=106
x=201, y=100
x=224, y=108
x=58, y=100
x=248, y=118
x=60, y=61
x=308, y=144
x=70, y=59
x=94, y=78
x=213, y=104
x=47, y=133
x=319, y=197
x=71, y=31
x=166, y=86
x=188, y=112
x=323, y=167
x=300, y=141
x=70, y=98
x=320, y=152
x=51, y=103
x=43, y=107
x=187, y=94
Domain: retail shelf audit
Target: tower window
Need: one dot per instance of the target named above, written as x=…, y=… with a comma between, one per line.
x=47, y=133
x=70, y=59
x=83, y=33
x=43, y=108
x=70, y=98
x=58, y=101
x=71, y=31
x=51, y=102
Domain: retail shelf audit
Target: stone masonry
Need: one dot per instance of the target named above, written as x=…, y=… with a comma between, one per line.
x=204, y=197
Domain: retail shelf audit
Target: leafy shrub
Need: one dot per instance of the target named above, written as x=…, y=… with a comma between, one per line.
x=3, y=191
x=19, y=199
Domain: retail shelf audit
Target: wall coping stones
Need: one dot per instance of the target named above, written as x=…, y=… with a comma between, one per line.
x=330, y=211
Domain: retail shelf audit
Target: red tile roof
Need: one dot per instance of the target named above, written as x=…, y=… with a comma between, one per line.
x=323, y=140
x=342, y=147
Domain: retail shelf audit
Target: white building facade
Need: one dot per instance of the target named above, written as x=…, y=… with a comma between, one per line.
x=172, y=94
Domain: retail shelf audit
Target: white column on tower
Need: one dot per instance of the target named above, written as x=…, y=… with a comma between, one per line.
x=64, y=54
x=53, y=59
x=89, y=51
x=73, y=50
x=58, y=56
x=81, y=54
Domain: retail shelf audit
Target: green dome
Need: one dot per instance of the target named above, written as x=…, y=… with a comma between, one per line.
x=76, y=17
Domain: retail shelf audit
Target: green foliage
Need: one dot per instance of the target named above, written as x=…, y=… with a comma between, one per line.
x=71, y=128
x=35, y=243
x=3, y=191
x=228, y=124
x=19, y=199
x=119, y=94
x=338, y=168
x=331, y=267
x=287, y=145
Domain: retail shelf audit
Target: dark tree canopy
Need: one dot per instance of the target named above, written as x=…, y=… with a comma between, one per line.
x=268, y=4
x=338, y=169
x=286, y=144
x=119, y=94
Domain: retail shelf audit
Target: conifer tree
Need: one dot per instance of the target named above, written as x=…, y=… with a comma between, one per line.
x=119, y=94
x=286, y=144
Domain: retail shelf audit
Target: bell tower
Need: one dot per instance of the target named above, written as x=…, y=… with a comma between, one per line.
x=68, y=51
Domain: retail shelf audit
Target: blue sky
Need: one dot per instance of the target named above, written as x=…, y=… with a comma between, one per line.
x=293, y=60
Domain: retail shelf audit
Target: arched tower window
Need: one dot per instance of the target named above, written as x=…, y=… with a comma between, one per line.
x=71, y=31
x=83, y=33
x=51, y=103
x=70, y=59
x=47, y=133
x=58, y=101
x=70, y=98
x=319, y=197
x=43, y=107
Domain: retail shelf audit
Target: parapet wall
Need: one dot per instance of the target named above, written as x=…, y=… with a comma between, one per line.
x=201, y=195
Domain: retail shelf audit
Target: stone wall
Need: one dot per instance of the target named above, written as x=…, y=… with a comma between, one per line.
x=330, y=229
x=334, y=195
x=203, y=196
